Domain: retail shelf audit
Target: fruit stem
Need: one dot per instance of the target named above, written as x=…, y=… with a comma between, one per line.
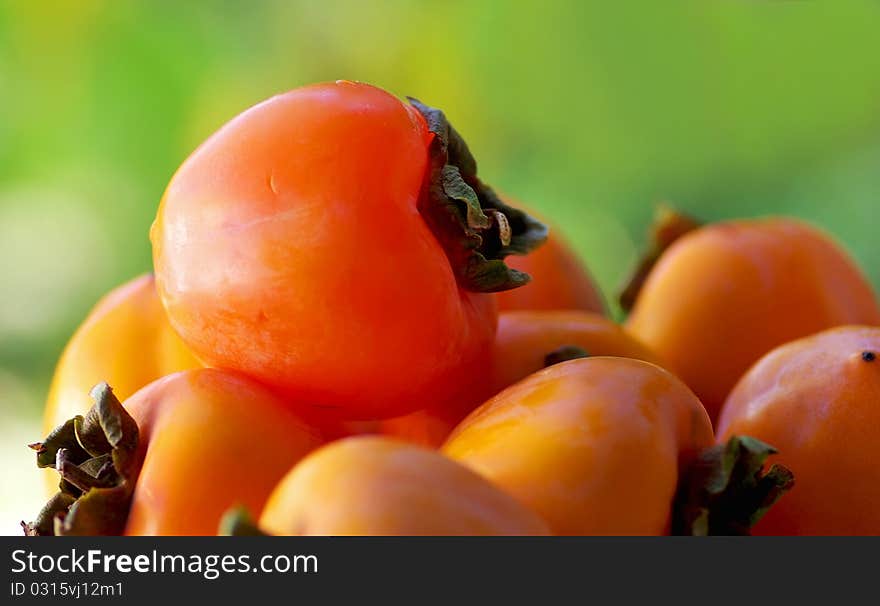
x=237, y=522
x=667, y=226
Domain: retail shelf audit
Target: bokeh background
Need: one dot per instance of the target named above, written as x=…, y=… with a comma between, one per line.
x=591, y=112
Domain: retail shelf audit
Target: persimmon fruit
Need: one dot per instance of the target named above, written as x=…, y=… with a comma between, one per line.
x=595, y=445
x=335, y=242
x=724, y=294
x=612, y=446
x=372, y=485
x=817, y=399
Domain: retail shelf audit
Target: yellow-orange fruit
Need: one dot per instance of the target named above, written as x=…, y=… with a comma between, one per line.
x=817, y=400
x=379, y=486
x=725, y=294
x=595, y=446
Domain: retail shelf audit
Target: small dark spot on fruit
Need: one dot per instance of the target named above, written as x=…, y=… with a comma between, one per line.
x=869, y=356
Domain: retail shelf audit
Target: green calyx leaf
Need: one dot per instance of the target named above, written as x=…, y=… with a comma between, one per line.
x=237, y=522
x=727, y=490
x=475, y=227
x=95, y=457
x=564, y=354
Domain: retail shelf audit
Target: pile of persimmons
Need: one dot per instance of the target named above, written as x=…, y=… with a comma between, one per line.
x=347, y=332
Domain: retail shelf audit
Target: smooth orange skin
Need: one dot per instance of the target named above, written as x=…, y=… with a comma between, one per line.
x=726, y=294
x=593, y=445
x=382, y=487
x=126, y=341
x=210, y=440
x=818, y=402
x=559, y=281
x=289, y=246
x=524, y=338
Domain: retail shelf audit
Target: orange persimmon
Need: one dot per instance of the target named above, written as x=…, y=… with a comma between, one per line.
x=818, y=400
x=335, y=242
x=373, y=485
x=723, y=295
x=594, y=446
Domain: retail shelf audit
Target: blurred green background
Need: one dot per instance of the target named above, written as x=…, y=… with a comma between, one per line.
x=591, y=112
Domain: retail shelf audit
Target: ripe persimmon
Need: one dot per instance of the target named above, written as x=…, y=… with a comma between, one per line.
x=173, y=458
x=723, y=295
x=336, y=243
x=372, y=485
x=526, y=342
x=594, y=446
x=818, y=400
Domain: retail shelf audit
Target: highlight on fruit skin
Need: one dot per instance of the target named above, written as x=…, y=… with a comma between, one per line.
x=606, y=446
x=526, y=342
x=378, y=486
x=125, y=341
x=817, y=399
x=173, y=458
x=724, y=294
x=285, y=244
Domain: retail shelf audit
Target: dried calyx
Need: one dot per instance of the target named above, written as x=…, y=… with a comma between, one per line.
x=727, y=489
x=476, y=229
x=668, y=226
x=95, y=457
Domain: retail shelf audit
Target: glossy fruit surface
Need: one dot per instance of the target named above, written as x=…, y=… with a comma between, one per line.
x=725, y=294
x=594, y=446
x=378, y=486
x=816, y=399
x=126, y=340
x=335, y=242
x=525, y=343
x=560, y=280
